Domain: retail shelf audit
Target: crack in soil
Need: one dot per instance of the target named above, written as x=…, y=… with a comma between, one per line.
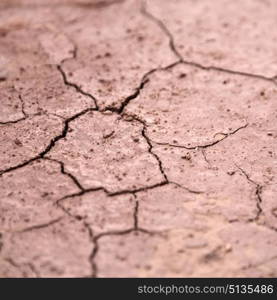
x=223, y=70
x=154, y=154
x=94, y=239
x=258, y=192
x=112, y=233
x=163, y=27
x=72, y=177
x=40, y=226
x=145, y=79
x=226, y=135
x=86, y=226
x=19, y=267
x=25, y=116
x=51, y=144
x=113, y=194
x=84, y=4
x=173, y=47
x=74, y=85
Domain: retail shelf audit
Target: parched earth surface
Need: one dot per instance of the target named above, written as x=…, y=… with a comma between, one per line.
x=138, y=139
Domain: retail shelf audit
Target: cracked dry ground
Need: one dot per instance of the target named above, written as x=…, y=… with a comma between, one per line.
x=138, y=139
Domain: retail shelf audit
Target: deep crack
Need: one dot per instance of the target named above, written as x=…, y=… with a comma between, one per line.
x=51, y=144
x=75, y=86
x=63, y=171
x=94, y=239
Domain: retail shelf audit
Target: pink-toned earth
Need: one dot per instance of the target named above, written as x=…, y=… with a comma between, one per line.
x=138, y=139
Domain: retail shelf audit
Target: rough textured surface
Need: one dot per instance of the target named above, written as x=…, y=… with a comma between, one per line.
x=112, y=60
x=27, y=201
x=217, y=249
x=54, y=253
x=172, y=207
x=190, y=107
x=22, y=141
x=11, y=106
x=106, y=151
x=138, y=145
x=101, y=212
x=230, y=36
x=44, y=91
